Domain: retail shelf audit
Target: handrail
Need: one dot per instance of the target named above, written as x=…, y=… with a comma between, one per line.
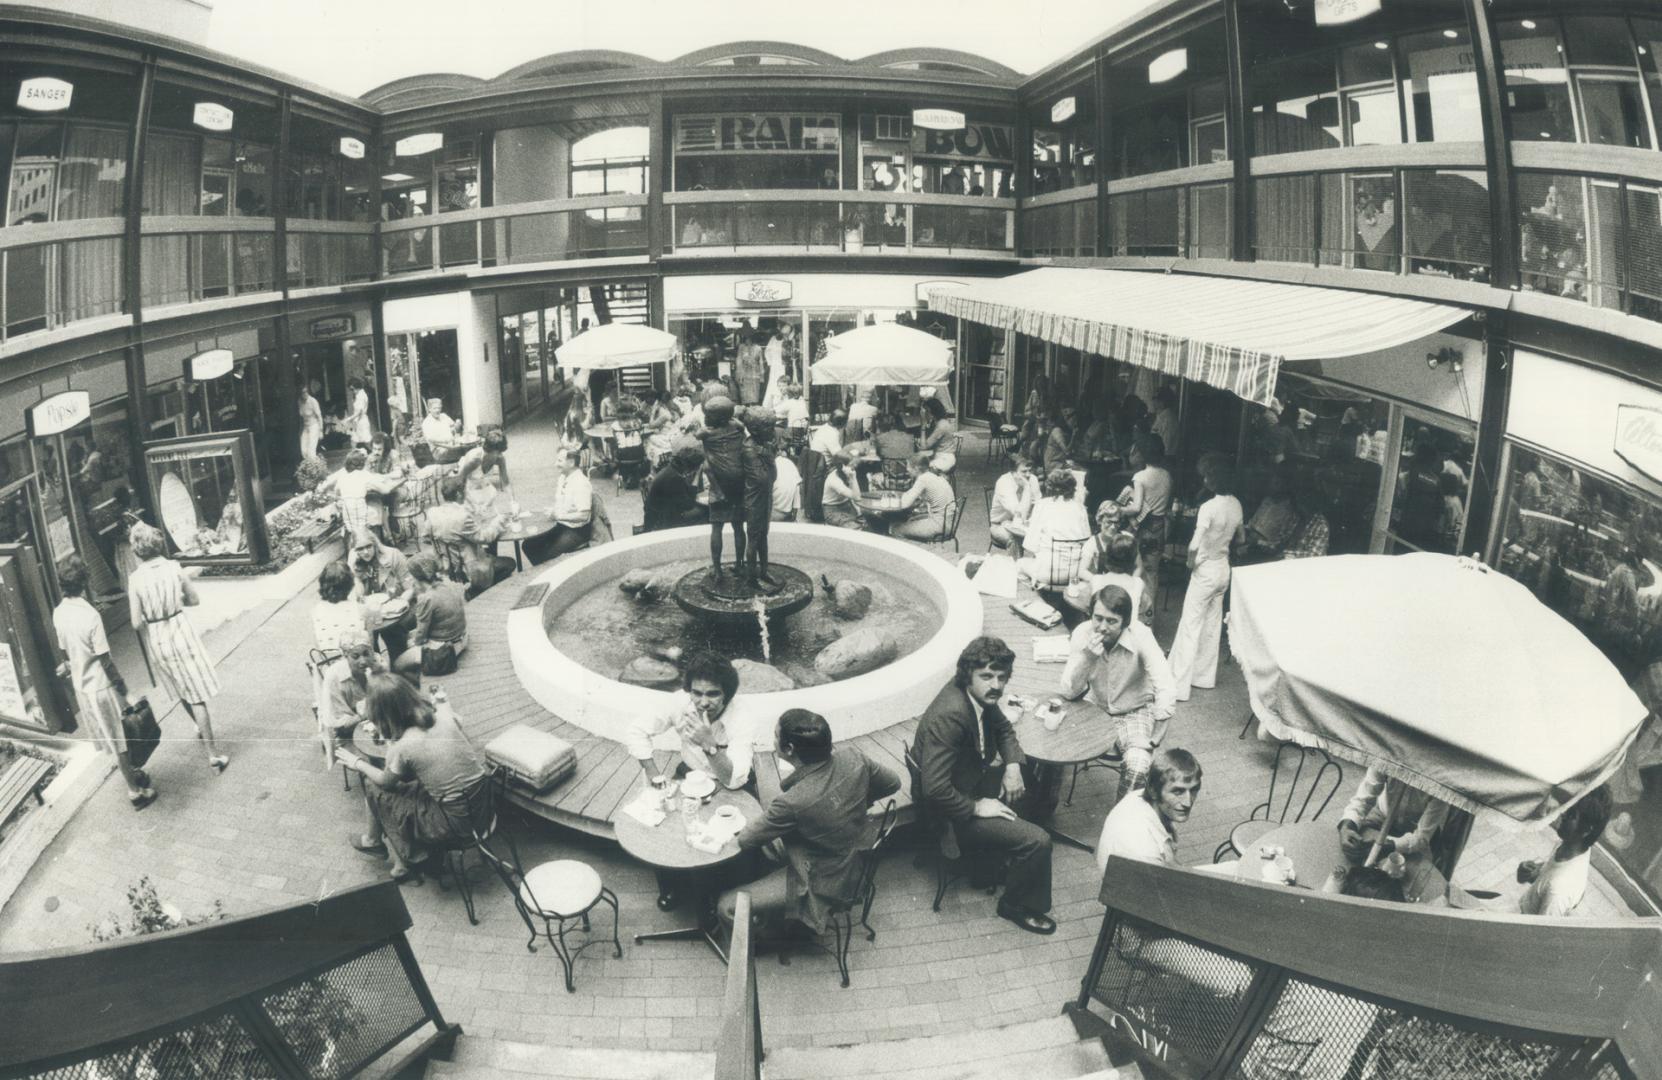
x=1467, y=969
x=48, y=232
x=1211, y=173
x=1433, y=155
x=514, y=210
x=1623, y=162
x=333, y=228
x=739, y=1045
x=1077, y=193
x=835, y=195
x=172, y=224
x=318, y=979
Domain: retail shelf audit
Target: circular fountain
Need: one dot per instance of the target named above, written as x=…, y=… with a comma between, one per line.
x=572, y=643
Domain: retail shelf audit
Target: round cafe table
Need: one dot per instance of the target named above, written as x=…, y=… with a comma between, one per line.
x=602, y=442
x=523, y=526
x=1086, y=733
x=881, y=508
x=1314, y=848
x=664, y=847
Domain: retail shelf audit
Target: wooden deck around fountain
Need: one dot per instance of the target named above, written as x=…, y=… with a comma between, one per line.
x=488, y=698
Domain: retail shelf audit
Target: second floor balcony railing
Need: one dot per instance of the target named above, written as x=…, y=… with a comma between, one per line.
x=1061, y=223
x=1182, y=213
x=325, y=253
x=555, y=230
x=56, y=273
x=187, y=258
x=851, y=222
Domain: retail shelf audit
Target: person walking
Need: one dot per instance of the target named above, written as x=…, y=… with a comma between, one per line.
x=1194, y=650
x=358, y=418
x=100, y=691
x=311, y=424
x=157, y=594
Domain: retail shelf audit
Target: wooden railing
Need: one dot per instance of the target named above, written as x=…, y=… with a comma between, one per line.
x=1197, y=975
x=320, y=989
x=739, y=1046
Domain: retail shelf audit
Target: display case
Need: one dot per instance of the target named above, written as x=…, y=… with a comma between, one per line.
x=31, y=694
x=206, y=498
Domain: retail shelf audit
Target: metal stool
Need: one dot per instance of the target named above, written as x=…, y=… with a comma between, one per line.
x=559, y=893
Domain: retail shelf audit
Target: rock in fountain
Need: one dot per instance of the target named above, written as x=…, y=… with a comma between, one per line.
x=732, y=601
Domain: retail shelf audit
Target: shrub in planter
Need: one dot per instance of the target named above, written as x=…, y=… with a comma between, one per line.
x=310, y=473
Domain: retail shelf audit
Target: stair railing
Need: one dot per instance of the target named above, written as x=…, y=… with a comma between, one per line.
x=739, y=1046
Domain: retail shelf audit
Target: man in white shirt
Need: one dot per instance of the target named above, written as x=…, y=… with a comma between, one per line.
x=573, y=511
x=437, y=427
x=100, y=691
x=1115, y=660
x=787, y=488
x=716, y=734
x=862, y=413
x=1144, y=826
x=827, y=439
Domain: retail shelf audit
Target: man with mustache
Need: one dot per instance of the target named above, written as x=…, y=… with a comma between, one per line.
x=968, y=770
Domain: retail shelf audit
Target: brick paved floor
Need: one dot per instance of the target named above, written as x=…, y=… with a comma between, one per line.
x=273, y=830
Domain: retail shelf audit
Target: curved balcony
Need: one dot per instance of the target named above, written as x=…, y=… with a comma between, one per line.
x=60, y=272
x=851, y=222
x=553, y=230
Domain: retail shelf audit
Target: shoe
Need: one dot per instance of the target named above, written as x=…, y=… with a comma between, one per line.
x=143, y=798
x=410, y=874
x=1033, y=924
x=218, y=763
x=377, y=848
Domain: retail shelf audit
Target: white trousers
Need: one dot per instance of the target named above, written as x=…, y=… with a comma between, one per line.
x=1194, y=651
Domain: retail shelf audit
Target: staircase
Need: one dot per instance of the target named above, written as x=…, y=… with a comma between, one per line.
x=1047, y=1049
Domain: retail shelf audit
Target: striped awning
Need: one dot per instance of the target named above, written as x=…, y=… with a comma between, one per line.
x=1230, y=333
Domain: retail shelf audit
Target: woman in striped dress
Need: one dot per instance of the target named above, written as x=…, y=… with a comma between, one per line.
x=157, y=594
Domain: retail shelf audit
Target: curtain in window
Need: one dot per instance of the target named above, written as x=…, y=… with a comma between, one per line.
x=172, y=185
x=1286, y=218
x=90, y=185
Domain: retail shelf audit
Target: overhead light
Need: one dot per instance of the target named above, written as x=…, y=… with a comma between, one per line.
x=1382, y=44
x=1451, y=34
x=396, y=177
x=1546, y=134
x=1168, y=66
x=1528, y=24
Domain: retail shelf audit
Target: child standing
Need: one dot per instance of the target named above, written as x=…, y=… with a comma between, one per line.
x=760, y=471
x=723, y=441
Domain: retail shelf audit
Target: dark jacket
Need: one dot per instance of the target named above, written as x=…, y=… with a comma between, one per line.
x=953, y=761
x=671, y=501
x=820, y=812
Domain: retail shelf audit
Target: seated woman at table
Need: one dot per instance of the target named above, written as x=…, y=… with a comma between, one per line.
x=819, y=821
x=1273, y=523
x=1144, y=825
x=1557, y=885
x=440, y=431
x=1056, y=533
x=715, y=731
x=1379, y=800
x=440, y=617
x=938, y=427
x=891, y=442
x=484, y=469
x=927, y=500
x=660, y=427
x=434, y=786
x=837, y=503
x=337, y=617
x=1014, y=495
x=467, y=534
x=384, y=463
x=1110, y=559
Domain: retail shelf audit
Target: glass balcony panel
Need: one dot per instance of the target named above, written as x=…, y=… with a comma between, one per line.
x=1644, y=251
x=1448, y=223
x=1359, y=222
x=1209, y=232
x=1284, y=209
x=970, y=227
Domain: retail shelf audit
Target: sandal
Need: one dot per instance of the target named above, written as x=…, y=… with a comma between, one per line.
x=218, y=762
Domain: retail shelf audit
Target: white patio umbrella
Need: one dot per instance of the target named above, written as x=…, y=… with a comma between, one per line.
x=617, y=345
x=1447, y=675
x=886, y=354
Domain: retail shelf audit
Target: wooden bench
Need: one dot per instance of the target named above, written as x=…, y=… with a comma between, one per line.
x=24, y=777
x=315, y=532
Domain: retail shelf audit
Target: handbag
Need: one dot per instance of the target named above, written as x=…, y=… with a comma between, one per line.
x=438, y=658
x=143, y=734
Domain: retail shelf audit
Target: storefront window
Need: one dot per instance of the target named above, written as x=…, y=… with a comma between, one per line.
x=984, y=391
x=1296, y=106
x=1447, y=223
x=1320, y=455
x=1433, y=484
x=1591, y=550
x=728, y=151
x=328, y=172
x=1165, y=105
x=1441, y=84
x=204, y=488
x=1064, y=139
x=1537, y=83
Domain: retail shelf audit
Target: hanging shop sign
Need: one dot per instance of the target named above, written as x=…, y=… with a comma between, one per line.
x=351, y=148
x=1337, y=12
x=332, y=326
x=425, y=143
x=938, y=119
x=211, y=364
x=762, y=291
x=212, y=117
x=58, y=413
x=975, y=142
x=1063, y=110
x=1639, y=438
x=44, y=94
x=1168, y=66
x=753, y=133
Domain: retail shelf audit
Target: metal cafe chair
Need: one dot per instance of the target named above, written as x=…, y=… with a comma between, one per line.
x=843, y=914
x=932, y=832
x=560, y=893
x=317, y=660
x=467, y=833
x=1289, y=773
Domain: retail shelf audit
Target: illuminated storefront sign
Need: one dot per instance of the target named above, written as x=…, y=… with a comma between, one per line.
x=762, y=291
x=332, y=326
x=1168, y=66
x=1639, y=438
x=211, y=117
x=938, y=119
x=425, y=143
x=1335, y=12
x=44, y=94
x=351, y=148
x=60, y=412
x=211, y=364
x=1063, y=110
x=752, y=133
x=980, y=142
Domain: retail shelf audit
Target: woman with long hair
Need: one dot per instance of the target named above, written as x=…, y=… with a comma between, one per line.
x=434, y=785
x=1056, y=533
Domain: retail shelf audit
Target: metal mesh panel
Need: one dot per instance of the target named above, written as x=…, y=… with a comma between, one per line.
x=335, y=1021
x=218, y=1048
x=1315, y=1032
x=1184, y=992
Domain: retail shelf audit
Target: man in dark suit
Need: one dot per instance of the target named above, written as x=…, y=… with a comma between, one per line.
x=820, y=814
x=961, y=736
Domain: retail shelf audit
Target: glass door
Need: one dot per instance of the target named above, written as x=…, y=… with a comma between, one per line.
x=30, y=693
x=1434, y=463
x=66, y=517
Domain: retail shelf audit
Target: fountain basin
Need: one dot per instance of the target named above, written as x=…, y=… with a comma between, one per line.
x=601, y=704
